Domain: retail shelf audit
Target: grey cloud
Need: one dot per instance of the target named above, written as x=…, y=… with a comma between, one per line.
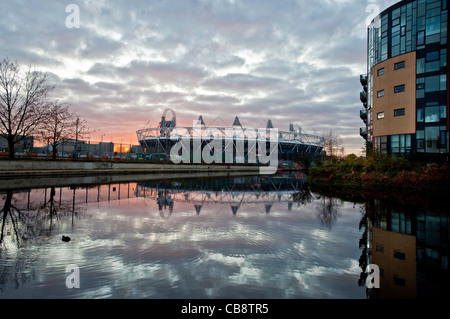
x=164, y=72
x=217, y=99
x=290, y=60
x=242, y=83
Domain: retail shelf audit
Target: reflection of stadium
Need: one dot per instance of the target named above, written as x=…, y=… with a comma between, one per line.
x=160, y=138
x=257, y=190
x=260, y=191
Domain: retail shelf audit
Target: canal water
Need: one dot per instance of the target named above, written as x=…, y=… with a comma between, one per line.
x=217, y=237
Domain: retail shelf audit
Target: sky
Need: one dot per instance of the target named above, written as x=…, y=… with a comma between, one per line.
x=125, y=62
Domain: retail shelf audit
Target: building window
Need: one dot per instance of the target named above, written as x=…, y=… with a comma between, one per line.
x=443, y=139
x=399, y=88
x=380, y=71
x=399, y=65
x=443, y=111
x=420, y=38
x=380, y=248
x=432, y=56
x=380, y=93
x=399, y=255
x=443, y=82
x=420, y=68
x=433, y=62
x=380, y=115
x=432, y=135
x=420, y=117
x=432, y=83
x=433, y=25
x=420, y=137
x=399, y=281
x=432, y=114
x=420, y=88
x=400, y=143
x=399, y=112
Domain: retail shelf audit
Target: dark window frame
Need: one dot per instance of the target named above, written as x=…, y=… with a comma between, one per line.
x=380, y=72
x=399, y=65
x=399, y=112
x=399, y=255
x=399, y=88
x=399, y=281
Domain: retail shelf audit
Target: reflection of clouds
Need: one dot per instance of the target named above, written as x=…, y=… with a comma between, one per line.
x=128, y=251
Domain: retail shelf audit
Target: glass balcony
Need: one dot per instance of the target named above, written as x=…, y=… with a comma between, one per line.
x=363, y=96
x=363, y=115
x=363, y=79
x=363, y=132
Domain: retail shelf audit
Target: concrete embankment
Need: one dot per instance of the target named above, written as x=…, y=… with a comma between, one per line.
x=28, y=174
x=39, y=168
x=78, y=181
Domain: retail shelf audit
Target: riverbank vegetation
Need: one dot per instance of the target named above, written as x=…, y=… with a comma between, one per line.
x=379, y=170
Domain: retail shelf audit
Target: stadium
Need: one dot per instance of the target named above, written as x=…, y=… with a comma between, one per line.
x=244, y=143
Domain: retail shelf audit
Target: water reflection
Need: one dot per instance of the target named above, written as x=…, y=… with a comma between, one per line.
x=236, y=237
x=262, y=192
x=407, y=236
x=410, y=245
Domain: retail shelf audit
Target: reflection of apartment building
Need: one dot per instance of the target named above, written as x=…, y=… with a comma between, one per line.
x=405, y=95
x=411, y=249
x=395, y=255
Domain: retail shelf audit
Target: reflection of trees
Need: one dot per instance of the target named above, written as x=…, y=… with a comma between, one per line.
x=30, y=223
x=327, y=206
x=328, y=210
x=22, y=273
x=304, y=196
x=11, y=211
x=20, y=225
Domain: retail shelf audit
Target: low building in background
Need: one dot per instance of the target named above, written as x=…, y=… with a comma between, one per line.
x=24, y=145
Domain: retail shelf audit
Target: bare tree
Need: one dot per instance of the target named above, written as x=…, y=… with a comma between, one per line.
x=23, y=102
x=60, y=124
x=333, y=145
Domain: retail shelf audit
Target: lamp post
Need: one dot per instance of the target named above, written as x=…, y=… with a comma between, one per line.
x=76, y=139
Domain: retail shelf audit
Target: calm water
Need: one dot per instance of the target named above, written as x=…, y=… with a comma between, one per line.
x=238, y=237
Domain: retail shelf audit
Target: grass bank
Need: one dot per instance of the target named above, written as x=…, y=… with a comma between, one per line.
x=380, y=171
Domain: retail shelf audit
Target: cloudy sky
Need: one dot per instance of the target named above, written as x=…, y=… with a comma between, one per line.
x=293, y=61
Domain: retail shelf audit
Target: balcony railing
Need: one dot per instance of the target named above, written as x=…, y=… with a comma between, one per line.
x=363, y=115
x=363, y=132
x=363, y=96
x=363, y=79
